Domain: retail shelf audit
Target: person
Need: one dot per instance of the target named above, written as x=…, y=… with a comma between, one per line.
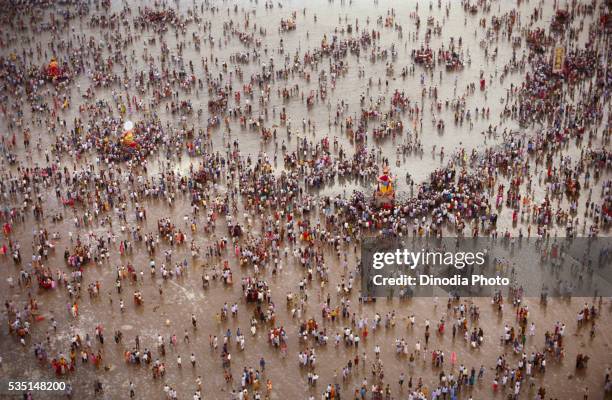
x=132, y=390
x=97, y=386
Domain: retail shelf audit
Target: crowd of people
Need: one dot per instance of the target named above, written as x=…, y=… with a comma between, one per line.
x=140, y=137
